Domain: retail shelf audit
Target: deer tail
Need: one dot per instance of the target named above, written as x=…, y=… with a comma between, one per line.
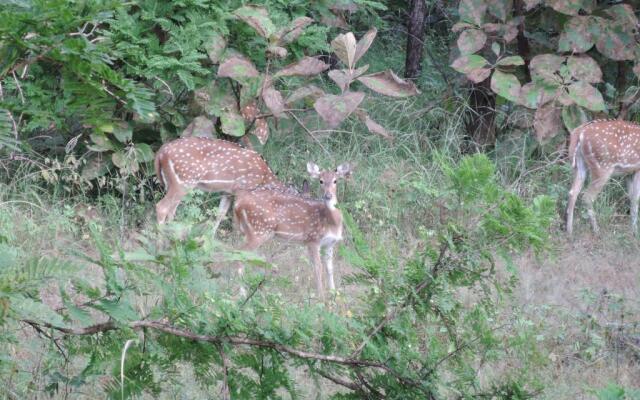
x=158, y=168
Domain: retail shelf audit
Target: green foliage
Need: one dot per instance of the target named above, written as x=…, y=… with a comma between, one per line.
x=616, y=392
x=566, y=72
x=119, y=77
x=409, y=332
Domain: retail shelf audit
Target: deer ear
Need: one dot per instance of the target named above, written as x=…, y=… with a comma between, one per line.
x=305, y=188
x=344, y=170
x=313, y=170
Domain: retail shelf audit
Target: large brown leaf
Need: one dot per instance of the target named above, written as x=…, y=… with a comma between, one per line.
x=501, y=9
x=577, y=35
x=237, y=67
x=273, y=100
x=344, y=77
x=215, y=47
x=364, y=43
x=546, y=65
x=584, y=68
x=529, y=4
x=466, y=64
x=375, y=127
x=471, y=41
x=258, y=18
x=389, y=84
x=303, y=92
x=294, y=30
x=344, y=45
x=547, y=122
x=472, y=11
x=479, y=74
x=308, y=66
x=587, y=96
x=617, y=42
x=572, y=7
x=335, y=109
x=199, y=127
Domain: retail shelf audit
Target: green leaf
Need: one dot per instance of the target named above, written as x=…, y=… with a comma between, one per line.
x=123, y=132
x=574, y=116
x=586, y=96
x=232, y=124
x=617, y=42
x=577, y=36
x=534, y=94
x=472, y=11
x=119, y=310
x=511, y=60
x=572, y=7
x=143, y=152
x=100, y=142
x=505, y=85
x=501, y=9
x=215, y=47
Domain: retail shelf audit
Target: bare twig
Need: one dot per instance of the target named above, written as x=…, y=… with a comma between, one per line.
x=339, y=381
x=253, y=292
x=309, y=132
x=407, y=302
x=15, y=78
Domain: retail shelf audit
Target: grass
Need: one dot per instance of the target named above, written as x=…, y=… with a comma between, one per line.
x=581, y=297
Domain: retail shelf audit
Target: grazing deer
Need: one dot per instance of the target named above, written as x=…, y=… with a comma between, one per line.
x=602, y=148
x=267, y=212
x=211, y=165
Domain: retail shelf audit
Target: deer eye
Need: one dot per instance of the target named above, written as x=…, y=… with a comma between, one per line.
x=321, y=181
x=335, y=181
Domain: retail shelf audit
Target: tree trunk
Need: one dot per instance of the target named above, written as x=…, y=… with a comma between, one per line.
x=481, y=127
x=524, y=50
x=415, y=38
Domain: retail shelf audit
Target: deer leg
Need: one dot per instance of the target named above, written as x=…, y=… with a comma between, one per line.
x=599, y=179
x=223, y=208
x=579, y=176
x=328, y=262
x=316, y=261
x=634, y=195
x=166, y=208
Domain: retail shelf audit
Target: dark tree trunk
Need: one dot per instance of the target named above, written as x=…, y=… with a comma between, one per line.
x=415, y=38
x=524, y=50
x=481, y=127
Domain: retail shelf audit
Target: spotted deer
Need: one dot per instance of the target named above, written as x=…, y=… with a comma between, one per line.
x=603, y=148
x=211, y=165
x=267, y=212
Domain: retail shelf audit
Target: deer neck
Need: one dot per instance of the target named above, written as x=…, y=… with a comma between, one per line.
x=332, y=215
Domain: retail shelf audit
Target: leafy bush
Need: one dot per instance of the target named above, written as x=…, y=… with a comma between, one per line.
x=563, y=73
x=118, y=73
